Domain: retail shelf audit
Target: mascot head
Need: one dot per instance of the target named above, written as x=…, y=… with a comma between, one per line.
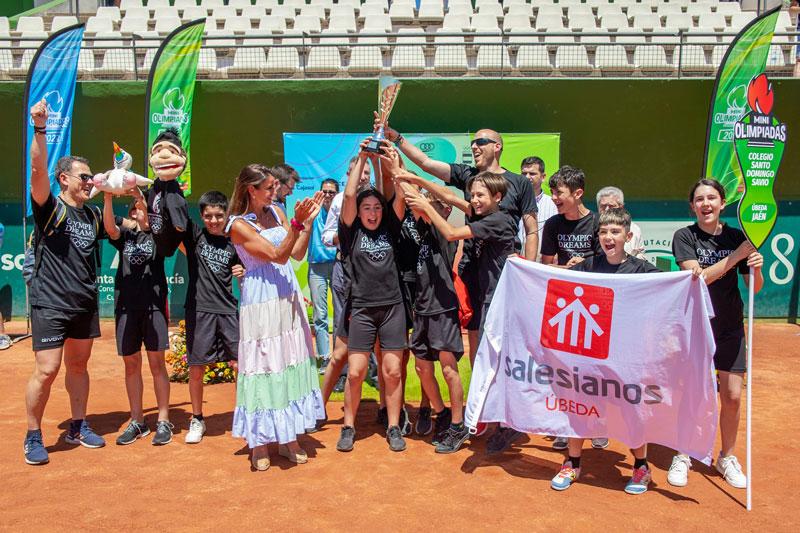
x=167, y=157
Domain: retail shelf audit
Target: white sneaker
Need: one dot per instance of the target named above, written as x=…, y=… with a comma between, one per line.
x=560, y=443
x=731, y=470
x=678, y=474
x=197, y=428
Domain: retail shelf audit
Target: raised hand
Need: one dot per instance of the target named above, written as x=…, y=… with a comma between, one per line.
x=39, y=113
x=308, y=208
x=388, y=131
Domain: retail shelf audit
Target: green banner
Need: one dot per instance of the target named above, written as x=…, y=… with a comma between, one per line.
x=745, y=59
x=759, y=139
x=170, y=90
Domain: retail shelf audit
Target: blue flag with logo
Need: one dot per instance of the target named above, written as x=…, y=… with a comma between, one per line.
x=52, y=76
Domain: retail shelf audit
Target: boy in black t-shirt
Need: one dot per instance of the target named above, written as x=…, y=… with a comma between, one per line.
x=614, y=232
x=212, y=318
x=141, y=317
x=571, y=235
x=167, y=210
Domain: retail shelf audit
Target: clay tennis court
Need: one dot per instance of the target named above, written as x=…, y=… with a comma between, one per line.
x=210, y=486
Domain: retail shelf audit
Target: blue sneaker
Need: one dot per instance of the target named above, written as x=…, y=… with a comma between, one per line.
x=639, y=481
x=565, y=477
x=35, y=453
x=84, y=436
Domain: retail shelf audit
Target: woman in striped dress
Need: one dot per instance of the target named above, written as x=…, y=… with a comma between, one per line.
x=277, y=393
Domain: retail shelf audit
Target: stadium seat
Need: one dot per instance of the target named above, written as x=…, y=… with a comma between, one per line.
x=182, y=4
x=167, y=25
x=408, y=59
x=533, y=58
x=21, y=71
x=241, y=4
x=248, y=63
x=581, y=10
x=343, y=23
x=614, y=22
x=549, y=10
x=776, y=60
x=365, y=60
x=608, y=9
x=377, y=24
x=713, y=20
x=784, y=22
x=459, y=11
x=99, y=25
x=63, y=21
x=108, y=39
x=495, y=10
x=456, y=23
x=4, y=26
x=518, y=36
x=591, y=41
x=109, y=12
x=128, y=4
x=484, y=23
x=237, y=24
x=629, y=41
x=7, y=63
x=430, y=12
x=740, y=20
x=30, y=24
x=313, y=11
x=254, y=12
x=371, y=10
x=647, y=22
x=728, y=8
x=137, y=12
x=335, y=37
x=549, y=23
x=327, y=4
x=717, y=55
x=517, y=23
x=154, y=4
x=323, y=60
x=32, y=39
x=698, y=10
x=522, y=11
x=675, y=22
x=207, y=64
x=583, y=23
x=282, y=61
x=693, y=59
x=193, y=13
x=573, y=60
x=86, y=64
x=287, y=12
x=220, y=39
x=401, y=13
x=224, y=12
x=670, y=8
x=133, y=25
x=492, y=59
x=639, y=9
x=450, y=56
x=340, y=10
x=271, y=23
x=651, y=59
x=211, y=4
x=297, y=4
x=307, y=24
x=612, y=59
x=116, y=64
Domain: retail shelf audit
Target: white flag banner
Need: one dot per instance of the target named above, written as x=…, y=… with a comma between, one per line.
x=625, y=356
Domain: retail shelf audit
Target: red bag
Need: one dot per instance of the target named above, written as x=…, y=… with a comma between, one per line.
x=464, y=305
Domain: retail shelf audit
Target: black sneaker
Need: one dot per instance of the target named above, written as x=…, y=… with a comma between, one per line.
x=502, y=439
x=395, y=439
x=405, y=422
x=340, y=383
x=163, y=433
x=346, y=439
x=383, y=418
x=443, y=421
x=424, y=424
x=134, y=431
x=454, y=437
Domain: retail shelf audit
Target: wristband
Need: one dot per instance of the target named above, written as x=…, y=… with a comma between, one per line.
x=399, y=140
x=40, y=129
x=297, y=225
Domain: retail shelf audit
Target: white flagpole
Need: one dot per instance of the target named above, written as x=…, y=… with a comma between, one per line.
x=750, y=294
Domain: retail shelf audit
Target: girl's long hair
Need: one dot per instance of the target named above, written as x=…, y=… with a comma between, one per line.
x=253, y=174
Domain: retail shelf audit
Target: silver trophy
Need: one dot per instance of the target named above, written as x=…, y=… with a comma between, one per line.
x=388, y=88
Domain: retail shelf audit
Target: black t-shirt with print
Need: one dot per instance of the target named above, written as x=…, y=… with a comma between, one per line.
x=140, y=282
x=492, y=243
x=693, y=243
x=600, y=265
x=210, y=258
x=65, y=278
x=374, y=279
x=168, y=215
x=435, y=291
x=408, y=248
x=570, y=238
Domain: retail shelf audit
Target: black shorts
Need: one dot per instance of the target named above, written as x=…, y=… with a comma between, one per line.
x=51, y=327
x=211, y=337
x=436, y=333
x=730, y=355
x=409, y=290
x=476, y=301
x=141, y=326
x=387, y=323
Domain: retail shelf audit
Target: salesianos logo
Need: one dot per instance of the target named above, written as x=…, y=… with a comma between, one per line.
x=173, y=113
x=577, y=318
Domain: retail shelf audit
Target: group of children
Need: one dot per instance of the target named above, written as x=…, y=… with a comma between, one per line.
x=398, y=255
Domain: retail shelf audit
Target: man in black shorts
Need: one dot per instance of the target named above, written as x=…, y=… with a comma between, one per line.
x=63, y=295
x=519, y=202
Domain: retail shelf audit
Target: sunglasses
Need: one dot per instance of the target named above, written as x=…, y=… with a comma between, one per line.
x=83, y=177
x=482, y=141
x=329, y=193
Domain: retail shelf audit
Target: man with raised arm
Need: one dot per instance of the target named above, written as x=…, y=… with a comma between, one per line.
x=63, y=295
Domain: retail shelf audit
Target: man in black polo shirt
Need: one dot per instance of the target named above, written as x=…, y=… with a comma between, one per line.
x=519, y=202
x=63, y=295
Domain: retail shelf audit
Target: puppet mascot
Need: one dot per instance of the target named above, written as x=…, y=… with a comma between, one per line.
x=167, y=210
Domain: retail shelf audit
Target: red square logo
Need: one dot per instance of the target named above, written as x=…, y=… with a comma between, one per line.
x=577, y=318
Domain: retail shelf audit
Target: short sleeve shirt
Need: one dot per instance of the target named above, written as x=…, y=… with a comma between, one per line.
x=65, y=278
x=693, y=243
x=210, y=259
x=600, y=265
x=168, y=215
x=570, y=238
x=435, y=291
x=493, y=241
x=140, y=282
x=371, y=261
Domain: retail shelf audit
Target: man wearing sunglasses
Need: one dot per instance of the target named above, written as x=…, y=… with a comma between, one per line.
x=63, y=295
x=519, y=201
x=320, y=273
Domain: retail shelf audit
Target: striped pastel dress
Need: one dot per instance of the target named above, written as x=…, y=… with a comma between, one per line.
x=277, y=393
